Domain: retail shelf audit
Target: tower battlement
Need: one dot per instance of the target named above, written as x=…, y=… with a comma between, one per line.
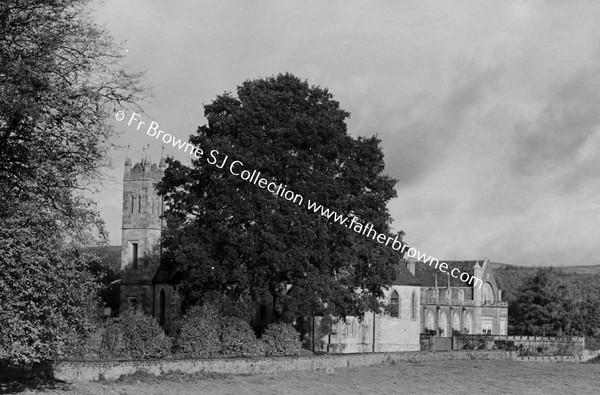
x=142, y=225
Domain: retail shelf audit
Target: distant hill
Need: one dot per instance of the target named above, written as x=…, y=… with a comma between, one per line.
x=592, y=269
x=511, y=278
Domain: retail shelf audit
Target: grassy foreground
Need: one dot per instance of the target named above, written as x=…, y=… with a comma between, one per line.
x=434, y=377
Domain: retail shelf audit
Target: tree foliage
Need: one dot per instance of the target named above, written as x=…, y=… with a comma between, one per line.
x=47, y=294
x=60, y=78
x=228, y=236
x=555, y=303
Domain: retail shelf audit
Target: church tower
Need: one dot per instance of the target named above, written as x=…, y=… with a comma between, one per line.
x=141, y=229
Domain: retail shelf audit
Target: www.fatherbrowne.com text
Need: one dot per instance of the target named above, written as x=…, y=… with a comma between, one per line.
x=236, y=168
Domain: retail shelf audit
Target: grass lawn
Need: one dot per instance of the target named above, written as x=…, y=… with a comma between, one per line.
x=435, y=377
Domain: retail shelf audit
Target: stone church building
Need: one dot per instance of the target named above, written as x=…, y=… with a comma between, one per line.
x=421, y=299
x=143, y=284
x=395, y=329
x=451, y=306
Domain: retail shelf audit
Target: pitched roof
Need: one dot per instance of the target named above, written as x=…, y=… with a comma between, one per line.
x=427, y=273
x=405, y=277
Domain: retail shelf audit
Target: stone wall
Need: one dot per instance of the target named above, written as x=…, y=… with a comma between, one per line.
x=390, y=334
x=93, y=371
x=544, y=345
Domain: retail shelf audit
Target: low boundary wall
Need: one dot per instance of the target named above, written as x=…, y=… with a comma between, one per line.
x=93, y=371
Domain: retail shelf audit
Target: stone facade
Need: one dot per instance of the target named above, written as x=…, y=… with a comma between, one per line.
x=449, y=304
x=394, y=329
x=140, y=244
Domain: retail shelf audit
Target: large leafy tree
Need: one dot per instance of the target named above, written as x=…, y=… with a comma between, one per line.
x=553, y=302
x=542, y=305
x=60, y=79
x=230, y=238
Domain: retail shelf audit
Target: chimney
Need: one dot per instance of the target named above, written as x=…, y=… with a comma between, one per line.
x=410, y=265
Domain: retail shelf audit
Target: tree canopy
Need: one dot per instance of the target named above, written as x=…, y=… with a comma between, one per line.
x=60, y=79
x=228, y=237
x=552, y=302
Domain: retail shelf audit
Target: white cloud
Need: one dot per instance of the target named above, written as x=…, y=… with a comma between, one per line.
x=487, y=110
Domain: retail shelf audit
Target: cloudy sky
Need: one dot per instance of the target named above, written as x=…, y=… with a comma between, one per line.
x=489, y=111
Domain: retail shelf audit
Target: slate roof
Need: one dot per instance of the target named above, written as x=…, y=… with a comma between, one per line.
x=405, y=277
x=426, y=273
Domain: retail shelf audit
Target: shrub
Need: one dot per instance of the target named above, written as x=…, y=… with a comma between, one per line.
x=238, y=339
x=592, y=343
x=142, y=336
x=112, y=340
x=136, y=336
x=200, y=332
x=507, y=345
x=281, y=339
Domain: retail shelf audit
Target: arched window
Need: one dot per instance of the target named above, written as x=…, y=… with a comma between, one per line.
x=446, y=294
x=413, y=306
x=455, y=321
x=443, y=324
x=468, y=323
x=132, y=204
x=461, y=295
x=429, y=320
x=395, y=305
x=488, y=293
x=162, y=307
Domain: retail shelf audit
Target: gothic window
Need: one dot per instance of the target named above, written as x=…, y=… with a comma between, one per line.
x=395, y=305
x=488, y=293
x=429, y=320
x=413, y=306
x=455, y=321
x=131, y=204
x=443, y=324
x=134, y=255
x=162, y=307
x=468, y=323
x=139, y=204
x=461, y=295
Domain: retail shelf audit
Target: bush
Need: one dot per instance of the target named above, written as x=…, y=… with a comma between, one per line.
x=112, y=340
x=592, y=343
x=136, y=336
x=238, y=339
x=200, y=332
x=281, y=339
